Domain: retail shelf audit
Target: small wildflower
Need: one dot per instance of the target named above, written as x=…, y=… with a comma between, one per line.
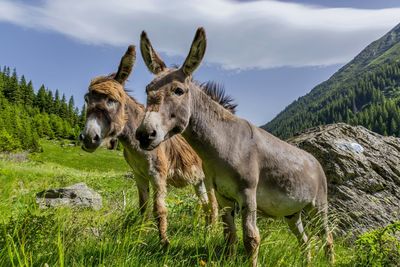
x=203, y=263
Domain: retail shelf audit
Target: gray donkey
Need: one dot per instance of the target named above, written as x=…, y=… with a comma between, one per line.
x=111, y=114
x=246, y=164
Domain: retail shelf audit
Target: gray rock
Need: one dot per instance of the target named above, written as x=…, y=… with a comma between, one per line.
x=77, y=195
x=363, y=172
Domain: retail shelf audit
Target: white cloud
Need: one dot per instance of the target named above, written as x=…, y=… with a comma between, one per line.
x=259, y=34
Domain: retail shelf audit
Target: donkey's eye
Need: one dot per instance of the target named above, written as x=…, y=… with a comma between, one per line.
x=179, y=91
x=111, y=102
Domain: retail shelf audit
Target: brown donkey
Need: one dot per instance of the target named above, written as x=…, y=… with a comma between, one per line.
x=111, y=114
x=247, y=165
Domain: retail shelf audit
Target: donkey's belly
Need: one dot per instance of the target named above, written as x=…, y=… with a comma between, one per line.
x=276, y=204
x=273, y=200
x=273, y=197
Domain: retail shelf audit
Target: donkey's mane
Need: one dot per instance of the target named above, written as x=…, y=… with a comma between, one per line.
x=217, y=93
x=104, y=78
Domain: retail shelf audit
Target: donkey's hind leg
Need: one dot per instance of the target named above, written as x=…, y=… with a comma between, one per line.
x=318, y=214
x=324, y=231
x=296, y=226
x=251, y=235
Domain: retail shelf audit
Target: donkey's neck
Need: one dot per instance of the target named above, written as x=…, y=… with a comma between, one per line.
x=134, y=112
x=211, y=126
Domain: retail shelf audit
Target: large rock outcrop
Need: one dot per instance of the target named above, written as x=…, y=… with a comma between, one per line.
x=363, y=172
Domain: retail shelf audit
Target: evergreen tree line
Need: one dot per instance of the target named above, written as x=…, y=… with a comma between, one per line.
x=26, y=116
x=371, y=100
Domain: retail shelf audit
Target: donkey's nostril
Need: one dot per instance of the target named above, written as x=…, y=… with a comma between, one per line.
x=96, y=138
x=138, y=135
x=81, y=137
x=153, y=133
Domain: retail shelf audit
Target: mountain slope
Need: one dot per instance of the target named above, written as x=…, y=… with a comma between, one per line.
x=365, y=91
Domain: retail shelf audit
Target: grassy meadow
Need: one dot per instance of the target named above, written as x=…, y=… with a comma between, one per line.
x=116, y=235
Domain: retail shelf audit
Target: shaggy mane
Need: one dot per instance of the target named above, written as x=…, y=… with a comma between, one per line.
x=217, y=93
x=110, y=77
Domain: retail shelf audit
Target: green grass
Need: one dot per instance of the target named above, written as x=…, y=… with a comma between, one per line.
x=67, y=155
x=116, y=235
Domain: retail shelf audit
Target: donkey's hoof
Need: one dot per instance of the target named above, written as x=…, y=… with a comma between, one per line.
x=332, y=259
x=231, y=250
x=165, y=243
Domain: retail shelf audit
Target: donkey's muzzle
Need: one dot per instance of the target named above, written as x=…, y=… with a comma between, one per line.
x=145, y=138
x=90, y=143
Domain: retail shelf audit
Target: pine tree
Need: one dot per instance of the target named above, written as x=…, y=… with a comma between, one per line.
x=57, y=102
x=40, y=100
x=23, y=88
x=71, y=109
x=12, y=91
x=64, y=108
x=29, y=94
x=49, y=102
x=82, y=116
x=2, y=83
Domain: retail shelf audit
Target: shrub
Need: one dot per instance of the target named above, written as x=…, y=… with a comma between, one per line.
x=380, y=247
x=7, y=142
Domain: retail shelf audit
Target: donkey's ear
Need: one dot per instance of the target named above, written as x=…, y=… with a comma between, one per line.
x=152, y=60
x=126, y=65
x=196, y=53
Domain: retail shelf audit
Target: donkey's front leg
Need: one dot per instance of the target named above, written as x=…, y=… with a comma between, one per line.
x=251, y=235
x=160, y=211
x=143, y=189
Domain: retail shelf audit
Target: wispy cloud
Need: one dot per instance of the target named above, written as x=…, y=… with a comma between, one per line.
x=259, y=34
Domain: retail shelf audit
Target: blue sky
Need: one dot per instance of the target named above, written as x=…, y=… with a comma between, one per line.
x=267, y=53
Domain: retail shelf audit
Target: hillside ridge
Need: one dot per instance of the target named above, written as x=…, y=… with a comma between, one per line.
x=377, y=63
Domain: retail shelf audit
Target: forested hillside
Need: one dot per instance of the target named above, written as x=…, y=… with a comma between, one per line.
x=26, y=116
x=364, y=92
